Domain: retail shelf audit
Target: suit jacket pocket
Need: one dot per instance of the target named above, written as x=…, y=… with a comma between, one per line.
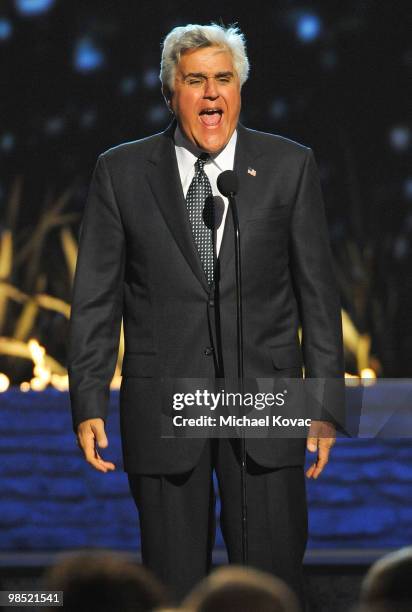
x=286, y=356
x=140, y=365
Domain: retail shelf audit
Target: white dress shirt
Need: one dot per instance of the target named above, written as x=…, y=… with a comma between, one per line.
x=187, y=154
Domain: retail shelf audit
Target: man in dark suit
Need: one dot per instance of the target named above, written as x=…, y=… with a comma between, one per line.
x=146, y=254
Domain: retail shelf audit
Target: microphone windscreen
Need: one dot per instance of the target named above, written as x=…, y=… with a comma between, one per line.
x=227, y=183
x=213, y=212
x=219, y=211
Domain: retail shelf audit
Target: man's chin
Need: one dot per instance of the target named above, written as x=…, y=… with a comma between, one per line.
x=212, y=143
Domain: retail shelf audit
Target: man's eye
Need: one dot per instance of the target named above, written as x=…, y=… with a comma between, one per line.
x=224, y=79
x=194, y=81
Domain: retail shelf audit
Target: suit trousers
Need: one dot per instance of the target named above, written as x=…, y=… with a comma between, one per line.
x=177, y=518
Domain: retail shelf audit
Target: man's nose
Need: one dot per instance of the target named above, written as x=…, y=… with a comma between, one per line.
x=211, y=90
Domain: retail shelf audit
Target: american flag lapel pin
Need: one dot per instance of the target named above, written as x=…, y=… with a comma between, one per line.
x=251, y=171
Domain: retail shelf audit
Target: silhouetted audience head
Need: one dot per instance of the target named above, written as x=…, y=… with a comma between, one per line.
x=240, y=589
x=382, y=606
x=104, y=581
x=169, y=609
x=389, y=580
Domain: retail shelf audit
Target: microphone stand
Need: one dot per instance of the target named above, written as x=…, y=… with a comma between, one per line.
x=240, y=373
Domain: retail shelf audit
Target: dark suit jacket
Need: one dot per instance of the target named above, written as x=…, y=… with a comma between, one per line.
x=137, y=259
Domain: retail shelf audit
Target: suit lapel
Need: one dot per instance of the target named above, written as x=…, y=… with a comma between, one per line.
x=164, y=179
x=246, y=154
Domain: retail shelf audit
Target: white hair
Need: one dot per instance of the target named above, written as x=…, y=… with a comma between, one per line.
x=194, y=36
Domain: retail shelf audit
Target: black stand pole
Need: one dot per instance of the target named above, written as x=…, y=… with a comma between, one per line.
x=240, y=373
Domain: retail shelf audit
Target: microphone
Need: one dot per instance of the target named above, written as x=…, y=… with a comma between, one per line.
x=213, y=212
x=212, y=217
x=227, y=183
x=228, y=186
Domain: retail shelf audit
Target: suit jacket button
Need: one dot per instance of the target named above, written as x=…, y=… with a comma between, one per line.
x=208, y=351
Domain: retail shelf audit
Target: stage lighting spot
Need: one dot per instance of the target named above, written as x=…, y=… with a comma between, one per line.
x=88, y=119
x=128, y=85
x=279, y=108
x=151, y=78
x=33, y=7
x=5, y=29
x=7, y=142
x=407, y=57
x=408, y=223
x=400, y=248
x=408, y=188
x=54, y=126
x=87, y=56
x=158, y=113
x=308, y=27
x=400, y=137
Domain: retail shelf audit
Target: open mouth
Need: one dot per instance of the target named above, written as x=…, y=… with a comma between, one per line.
x=211, y=117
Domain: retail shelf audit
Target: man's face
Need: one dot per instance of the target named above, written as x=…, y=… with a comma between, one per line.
x=207, y=109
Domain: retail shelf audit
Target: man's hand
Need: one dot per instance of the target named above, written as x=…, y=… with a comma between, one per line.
x=90, y=434
x=321, y=438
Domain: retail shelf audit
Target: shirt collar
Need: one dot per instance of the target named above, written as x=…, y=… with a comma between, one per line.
x=188, y=152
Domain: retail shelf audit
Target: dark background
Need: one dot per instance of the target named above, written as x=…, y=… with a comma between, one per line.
x=80, y=77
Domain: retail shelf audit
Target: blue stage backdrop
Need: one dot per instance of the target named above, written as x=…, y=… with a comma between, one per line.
x=52, y=500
